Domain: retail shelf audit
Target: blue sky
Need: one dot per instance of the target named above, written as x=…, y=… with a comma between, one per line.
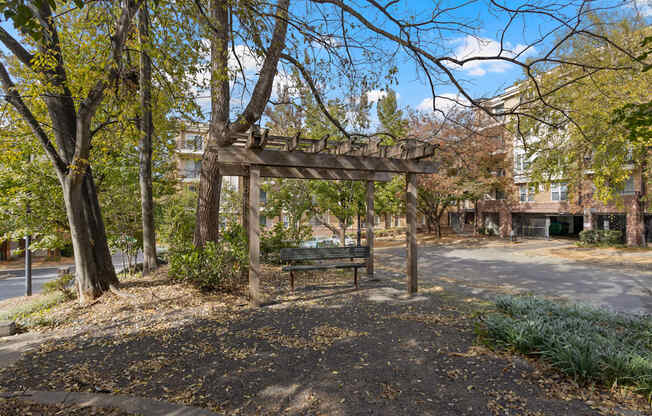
x=480, y=79
x=490, y=78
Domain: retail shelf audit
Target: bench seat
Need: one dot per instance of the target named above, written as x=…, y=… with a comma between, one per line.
x=293, y=255
x=323, y=266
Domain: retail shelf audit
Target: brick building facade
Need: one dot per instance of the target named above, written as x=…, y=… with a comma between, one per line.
x=545, y=210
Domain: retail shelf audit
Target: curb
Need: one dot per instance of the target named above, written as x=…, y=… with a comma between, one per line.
x=130, y=404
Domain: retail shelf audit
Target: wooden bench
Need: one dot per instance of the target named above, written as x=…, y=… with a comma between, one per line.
x=292, y=255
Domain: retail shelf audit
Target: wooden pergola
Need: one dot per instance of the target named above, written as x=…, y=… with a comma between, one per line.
x=254, y=156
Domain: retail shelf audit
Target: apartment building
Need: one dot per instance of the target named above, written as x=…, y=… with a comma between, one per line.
x=528, y=210
x=190, y=145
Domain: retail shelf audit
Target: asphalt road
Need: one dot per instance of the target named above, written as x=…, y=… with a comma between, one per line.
x=487, y=271
x=12, y=283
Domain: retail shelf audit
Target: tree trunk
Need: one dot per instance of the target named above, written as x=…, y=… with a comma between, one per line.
x=146, y=127
x=438, y=228
x=208, y=202
x=388, y=220
x=101, y=252
x=343, y=233
x=94, y=270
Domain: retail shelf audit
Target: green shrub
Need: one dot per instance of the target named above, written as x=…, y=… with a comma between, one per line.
x=611, y=237
x=588, y=236
x=62, y=285
x=216, y=266
x=586, y=343
x=601, y=237
x=278, y=237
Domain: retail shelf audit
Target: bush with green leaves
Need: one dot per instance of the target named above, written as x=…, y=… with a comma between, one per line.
x=216, y=266
x=601, y=237
x=61, y=284
x=278, y=237
x=589, y=344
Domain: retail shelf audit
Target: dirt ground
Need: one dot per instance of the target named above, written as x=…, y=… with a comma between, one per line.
x=326, y=350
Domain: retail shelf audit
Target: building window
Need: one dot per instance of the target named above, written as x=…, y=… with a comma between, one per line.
x=526, y=193
x=499, y=112
x=194, y=143
x=559, y=191
x=500, y=194
x=263, y=196
x=192, y=169
x=263, y=221
x=521, y=162
x=286, y=221
x=629, y=187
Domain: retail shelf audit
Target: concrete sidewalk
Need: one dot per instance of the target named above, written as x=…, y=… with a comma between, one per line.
x=136, y=405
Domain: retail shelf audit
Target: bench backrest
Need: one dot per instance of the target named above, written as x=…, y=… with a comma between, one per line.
x=326, y=253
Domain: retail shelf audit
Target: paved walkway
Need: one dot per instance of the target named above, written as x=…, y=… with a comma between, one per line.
x=486, y=271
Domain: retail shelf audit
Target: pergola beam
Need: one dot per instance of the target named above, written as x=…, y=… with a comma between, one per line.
x=308, y=173
x=299, y=159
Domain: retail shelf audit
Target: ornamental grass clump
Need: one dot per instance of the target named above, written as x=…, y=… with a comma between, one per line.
x=586, y=343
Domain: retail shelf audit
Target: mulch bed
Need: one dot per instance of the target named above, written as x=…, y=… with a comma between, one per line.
x=325, y=350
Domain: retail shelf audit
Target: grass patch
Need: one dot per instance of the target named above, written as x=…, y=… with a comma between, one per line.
x=34, y=313
x=589, y=344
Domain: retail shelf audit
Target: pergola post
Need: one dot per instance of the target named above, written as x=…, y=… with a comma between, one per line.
x=370, y=228
x=411, y=233
x=243, y=182
x=254, y=235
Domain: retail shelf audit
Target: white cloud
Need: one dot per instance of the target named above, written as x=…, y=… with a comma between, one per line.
x=475, y=47
x=248, y=59
x=376, y=95
x=444, y=102
x=643, y=7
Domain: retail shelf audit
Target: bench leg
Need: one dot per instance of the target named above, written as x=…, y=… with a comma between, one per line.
x=355, y=276
x=292, y=280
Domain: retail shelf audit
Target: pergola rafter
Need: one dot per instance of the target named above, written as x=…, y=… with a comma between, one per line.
x=254, y=156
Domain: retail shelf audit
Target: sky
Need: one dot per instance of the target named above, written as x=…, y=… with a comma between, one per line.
x=489, y=78
x=481, y=79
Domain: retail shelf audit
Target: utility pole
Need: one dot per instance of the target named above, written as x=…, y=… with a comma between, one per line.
x=28, y=263
x=28, y=251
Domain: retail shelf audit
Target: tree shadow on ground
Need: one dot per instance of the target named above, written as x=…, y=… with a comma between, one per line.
x=378, y=352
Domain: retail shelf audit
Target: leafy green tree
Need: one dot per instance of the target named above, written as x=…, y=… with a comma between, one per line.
x=291, y=199
x=594, y=133
x=69, y=77
x=391, y=118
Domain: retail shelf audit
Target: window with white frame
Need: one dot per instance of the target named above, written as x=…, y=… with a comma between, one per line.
x=526, y=193
x=521, y=162
x=559, y=191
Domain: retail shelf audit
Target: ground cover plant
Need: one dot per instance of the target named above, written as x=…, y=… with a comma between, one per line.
x=589, y=344
x=33, y=313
